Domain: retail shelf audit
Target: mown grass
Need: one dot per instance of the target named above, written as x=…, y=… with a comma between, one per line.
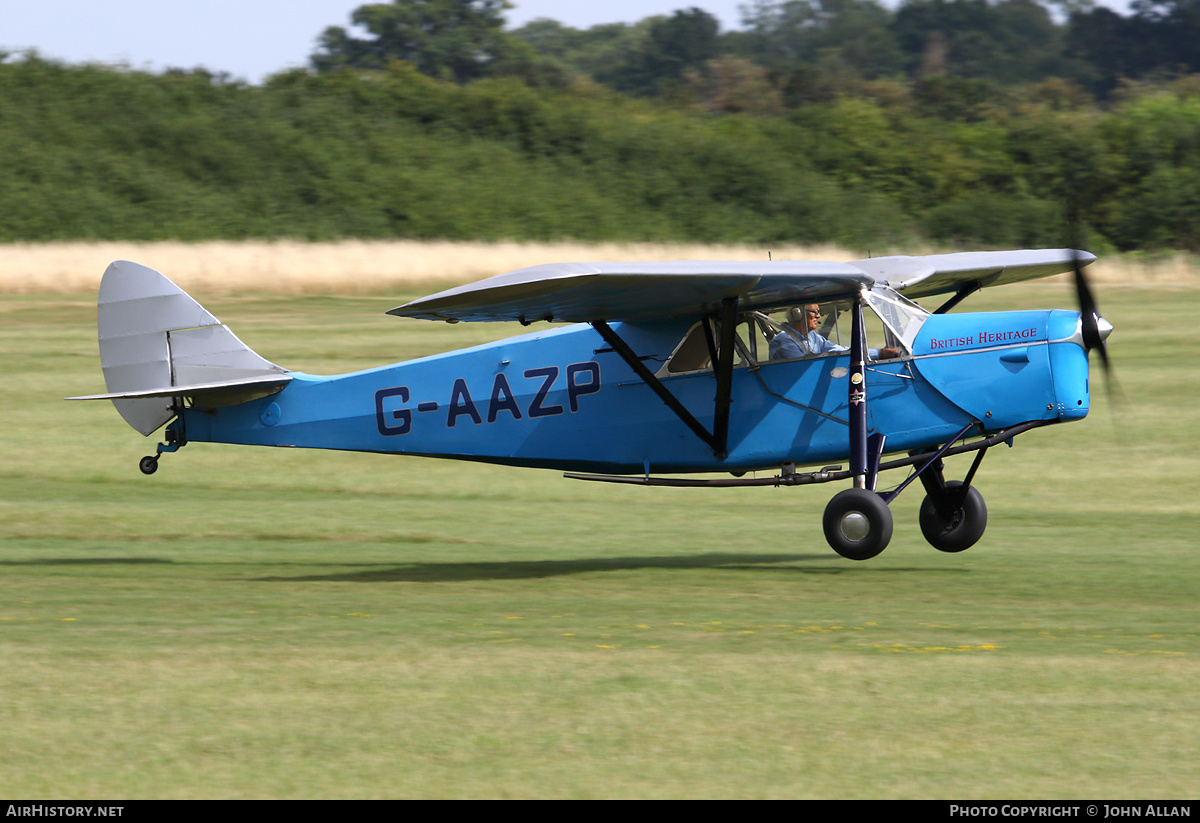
x=279, y=623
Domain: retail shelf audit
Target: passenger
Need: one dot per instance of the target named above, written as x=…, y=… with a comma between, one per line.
x=800, y=338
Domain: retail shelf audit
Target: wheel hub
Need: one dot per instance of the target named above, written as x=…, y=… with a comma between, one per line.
x=855, y=526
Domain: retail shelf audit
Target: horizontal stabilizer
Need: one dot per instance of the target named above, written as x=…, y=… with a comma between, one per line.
x=221, y=393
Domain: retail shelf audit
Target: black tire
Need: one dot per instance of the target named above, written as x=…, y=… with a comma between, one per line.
x=962, y=530
x=148, y=464
x=858, y=524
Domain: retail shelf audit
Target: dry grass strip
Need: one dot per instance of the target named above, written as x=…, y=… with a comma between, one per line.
x=373, y=267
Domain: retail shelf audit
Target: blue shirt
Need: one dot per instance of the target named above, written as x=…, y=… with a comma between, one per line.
x=785, y=346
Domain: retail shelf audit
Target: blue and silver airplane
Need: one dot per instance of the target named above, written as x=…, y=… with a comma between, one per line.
x=666, y=368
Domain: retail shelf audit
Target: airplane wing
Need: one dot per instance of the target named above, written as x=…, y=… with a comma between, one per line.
x=586, y=292
x=943, y=273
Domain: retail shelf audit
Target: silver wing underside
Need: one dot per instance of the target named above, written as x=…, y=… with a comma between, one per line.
x=585, y=292
x=944, y=273
x=588, y=292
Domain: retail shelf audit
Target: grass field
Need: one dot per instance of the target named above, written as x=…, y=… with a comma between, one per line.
x=279, y=623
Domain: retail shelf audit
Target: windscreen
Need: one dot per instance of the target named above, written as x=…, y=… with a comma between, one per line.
x=902, y=317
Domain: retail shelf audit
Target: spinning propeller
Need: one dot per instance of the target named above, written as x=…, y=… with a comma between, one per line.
x=1094, y=328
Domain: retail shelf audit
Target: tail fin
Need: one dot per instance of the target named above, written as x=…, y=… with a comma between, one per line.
x=158, y=346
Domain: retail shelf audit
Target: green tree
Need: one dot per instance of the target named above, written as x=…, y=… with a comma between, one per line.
x=682, y=41
x=1113, y=47
x=592, y=52
x=1010, y=41
x=820, y=49
x=782, y=34
x=671, y=46
x=456, y=40
x=732, y=85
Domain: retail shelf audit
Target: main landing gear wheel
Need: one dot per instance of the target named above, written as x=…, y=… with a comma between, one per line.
x=960, y=525
x=148, y=464
x=858, y=524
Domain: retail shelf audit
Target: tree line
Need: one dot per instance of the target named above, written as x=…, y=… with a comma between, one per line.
x=511, y=147
x=799, y=50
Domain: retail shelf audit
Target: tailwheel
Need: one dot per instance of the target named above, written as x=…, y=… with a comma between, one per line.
x=956, y=521
x=858, y=524
x=176, y=439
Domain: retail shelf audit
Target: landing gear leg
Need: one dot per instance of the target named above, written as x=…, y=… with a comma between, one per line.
x=858, y=523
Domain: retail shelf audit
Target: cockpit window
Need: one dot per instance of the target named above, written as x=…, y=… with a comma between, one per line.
x=804, y=331
x=692, y=354
x=698, y=348
x=902, y=317
x=808, y=330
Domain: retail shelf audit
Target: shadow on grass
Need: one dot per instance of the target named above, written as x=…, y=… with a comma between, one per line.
x=87, y=561
x=825, y=563
x=532, y=569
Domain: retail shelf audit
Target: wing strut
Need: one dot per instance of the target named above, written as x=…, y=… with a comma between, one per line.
x=964, y=291
x=718, y=438
x=724, y=364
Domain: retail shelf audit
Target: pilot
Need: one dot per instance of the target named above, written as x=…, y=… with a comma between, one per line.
x=800, y=338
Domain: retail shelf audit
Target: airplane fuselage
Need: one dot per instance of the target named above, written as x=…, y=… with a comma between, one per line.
x=561, y=398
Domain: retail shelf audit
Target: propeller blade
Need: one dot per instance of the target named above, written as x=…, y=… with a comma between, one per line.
x=1094, y=329
x=1089, y=315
